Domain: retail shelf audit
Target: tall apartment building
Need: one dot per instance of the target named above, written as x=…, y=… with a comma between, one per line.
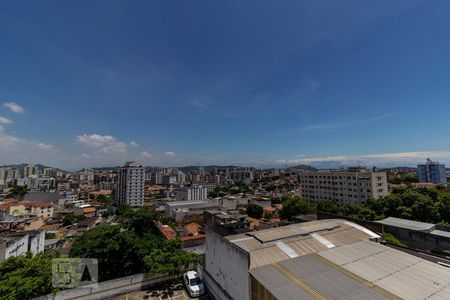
x=355, y=185
x=193, y=193
x=8, y=174
x=245, y=176
x=130, y=185
x=50, y=172
x=433, y=172
x=30, y=170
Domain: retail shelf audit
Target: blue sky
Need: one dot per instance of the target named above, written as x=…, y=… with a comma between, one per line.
x=245, y=82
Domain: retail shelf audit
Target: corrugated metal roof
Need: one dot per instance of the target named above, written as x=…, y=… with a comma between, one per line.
x=407, y=224
x=308, y=278
x=404, y=275
x=262, y=244
x=279, y=285
x=443, y=294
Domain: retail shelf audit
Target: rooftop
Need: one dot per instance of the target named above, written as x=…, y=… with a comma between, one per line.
x=363, y=270
x=281, y=243
x=407, y=224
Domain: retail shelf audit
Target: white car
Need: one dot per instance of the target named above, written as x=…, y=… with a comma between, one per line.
x=193, y=284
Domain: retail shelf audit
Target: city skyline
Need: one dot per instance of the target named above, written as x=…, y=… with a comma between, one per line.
x=233, y=83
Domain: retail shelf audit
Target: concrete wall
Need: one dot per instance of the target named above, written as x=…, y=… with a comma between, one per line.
x=109, y=288
x=227, y=266
x=419, y=240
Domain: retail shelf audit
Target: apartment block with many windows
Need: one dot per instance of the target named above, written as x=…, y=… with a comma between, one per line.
x=354, y=185
x=130, y=185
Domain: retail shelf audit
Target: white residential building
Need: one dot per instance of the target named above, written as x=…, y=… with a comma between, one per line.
x=35, y=183
x=354, y=185
x=50, y=172
x=30, y=170
x=8, y=174
x=193, y=193
x=130, y=185
x=18, y=244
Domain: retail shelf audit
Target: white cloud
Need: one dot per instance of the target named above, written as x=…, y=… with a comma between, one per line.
x=14, y=107
x=146, y=154
x=9, y=142
x=85, y=156
x=134, y=144
x=326, y=126
x=169, y=153
x=394, y=158
x=107, y=143
x=43, y=146
x=1, y=128
x=4, y=121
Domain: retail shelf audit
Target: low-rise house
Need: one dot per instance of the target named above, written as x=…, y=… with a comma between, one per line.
x=19, y=243
x=31, y=224
x=193, y=241
x=167, y=231
x=191, y=229
x=12, y=208
x=89, y=211
x=39, y=209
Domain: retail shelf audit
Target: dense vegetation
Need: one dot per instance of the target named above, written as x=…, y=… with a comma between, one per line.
x=254, y=211
x=294, y=206
x=238, y=187
x=26, y=277
x=17, y=192
x=134, y=246
x=419, y=204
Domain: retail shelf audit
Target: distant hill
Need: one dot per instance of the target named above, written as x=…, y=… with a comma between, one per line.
x=301, y=167
x=23, y=165
x=206, y=168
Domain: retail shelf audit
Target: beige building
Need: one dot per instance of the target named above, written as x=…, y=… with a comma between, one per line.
x=355, y=185
x=40, y=209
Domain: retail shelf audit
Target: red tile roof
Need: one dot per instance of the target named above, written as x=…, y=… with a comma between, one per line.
x=168, y=232
x=192, y=228
x=193, y=237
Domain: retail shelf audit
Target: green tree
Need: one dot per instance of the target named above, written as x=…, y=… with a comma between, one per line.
x=443, y=207
x=143, y=222
x=26, y=277
x=254, y=211
x=366, y=214
x=17, y=192
x=295, y=206
x=169, y=258
x=69, y=219
x=124, y=211
x=328, y=206
x=410, y=178
x=119, y=252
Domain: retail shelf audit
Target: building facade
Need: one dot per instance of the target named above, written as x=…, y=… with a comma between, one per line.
x=350, y=186
x=433, y=172
x=194, y=193
x=30, y=170
x=130, y=185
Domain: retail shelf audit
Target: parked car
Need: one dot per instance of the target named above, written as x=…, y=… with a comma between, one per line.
x=193, y=284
